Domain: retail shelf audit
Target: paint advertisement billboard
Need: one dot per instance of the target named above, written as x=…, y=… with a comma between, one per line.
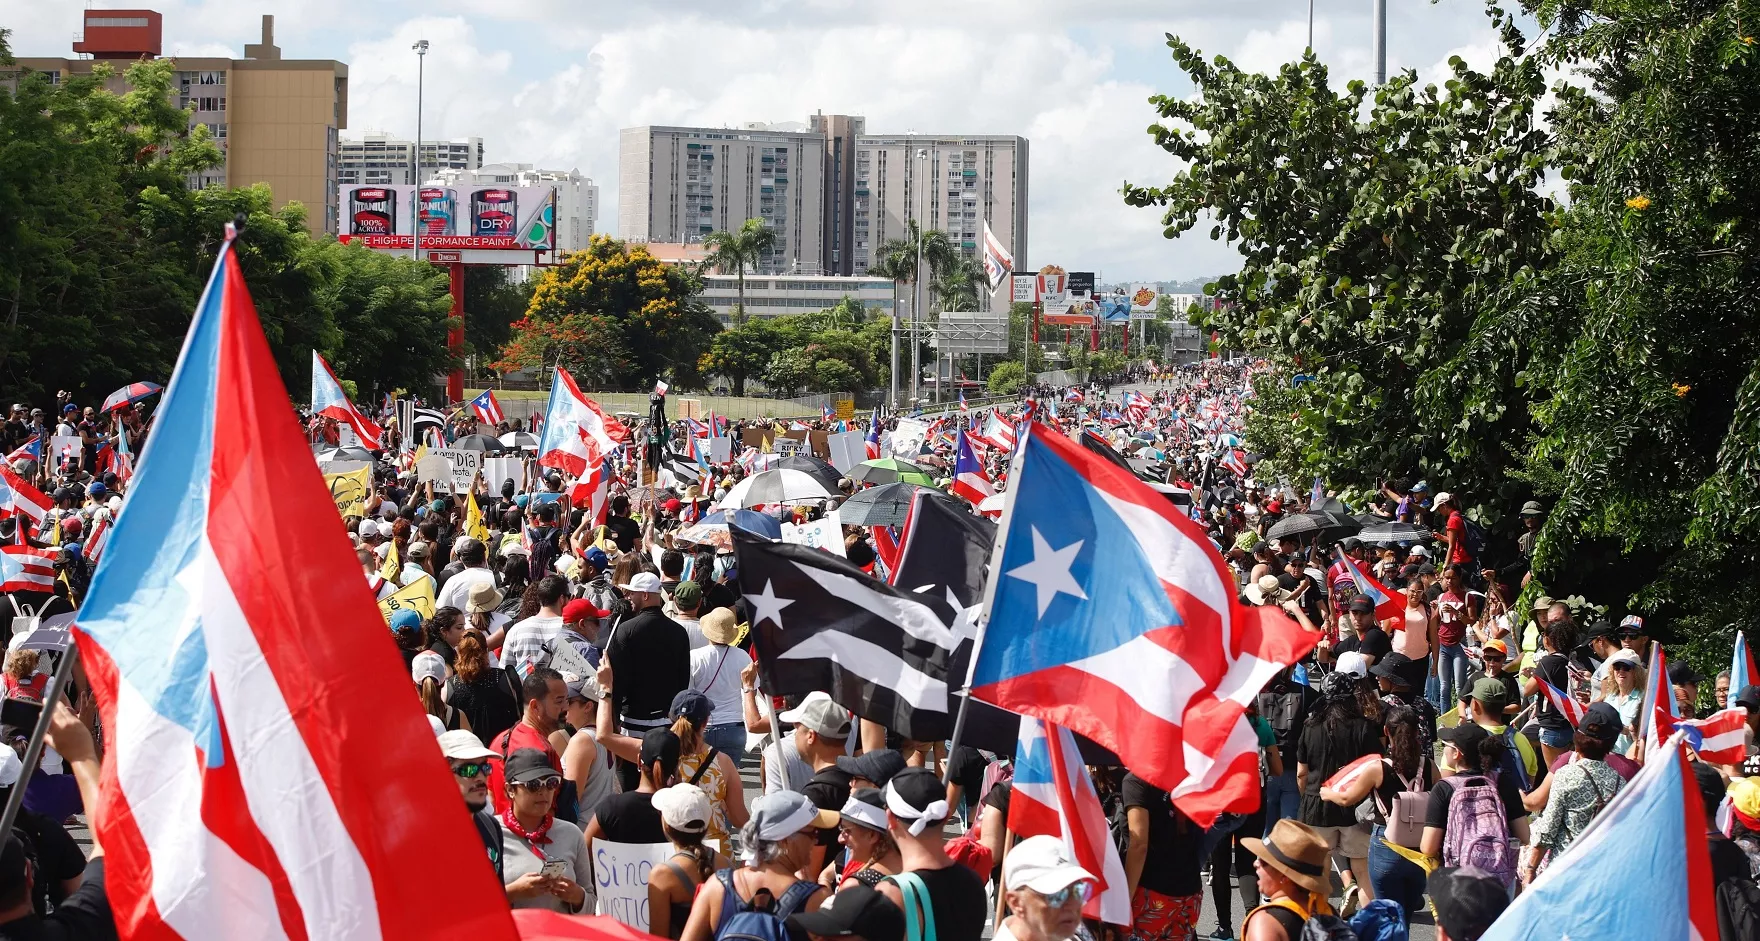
x=477, y=217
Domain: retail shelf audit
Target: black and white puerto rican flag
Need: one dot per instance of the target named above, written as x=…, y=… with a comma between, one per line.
x=822, y=624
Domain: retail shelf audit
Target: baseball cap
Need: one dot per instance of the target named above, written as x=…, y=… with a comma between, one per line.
x=527, y=765
x=683, y=807
x=595, y=557
x=1467, y=899
x=1490, y=694
x=1600, y=721
x=1426, y=569
x=877, y=766
x=1631, y=624
x=660, y=745
x=857, y=911
x=917, y=795
x=580, y=609
x=687, y=595
x=1443, y=496
x=418, y=551
x=1042, y=863
x=1353, y=663
x=642, y=581
x=1601, y=628
x=691, y=704
x=782, y=814
x=1626, y=656
x=866, y=806
x=463, y=745
x=1749, y=696
x=583, y=687
x=404, y=618
x=428, y=665
x=1360, y=604
x=818, y=713
x=1498, y=646
x=1467, y=736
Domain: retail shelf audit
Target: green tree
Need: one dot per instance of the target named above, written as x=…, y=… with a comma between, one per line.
x=789, y=371
x=392, y=315
x=614, y=315
x=1020, y=337
x=956, y=287
x=735, y=251
x=740, y=353
x=1007, y=378
x=493, y=300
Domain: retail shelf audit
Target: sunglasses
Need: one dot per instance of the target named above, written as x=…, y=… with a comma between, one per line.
x=1494, y=658
x=1061, y=897
x=550, y=783
x=1623, y=667
x=471, y=769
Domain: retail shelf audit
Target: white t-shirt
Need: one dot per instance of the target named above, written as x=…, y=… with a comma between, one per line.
x=799, y=771
x=715, y=672
x=693, y=627
x=457, y=592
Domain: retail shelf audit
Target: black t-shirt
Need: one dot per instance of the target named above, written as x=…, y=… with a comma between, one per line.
x=828, y=790
x=84, y=916
x=1554, y=668
x=956, y=895
x=58, y=857
x=998, y=798
x=1175, y=842
x=965, y=767
x=630, y=817
x=1325, y=749
x=1436, y=812
x=624, y=532
x=651, y=655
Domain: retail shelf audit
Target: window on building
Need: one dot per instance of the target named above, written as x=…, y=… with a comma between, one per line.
x=134, y=22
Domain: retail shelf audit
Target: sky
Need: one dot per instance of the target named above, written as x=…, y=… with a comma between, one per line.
x=551, y=82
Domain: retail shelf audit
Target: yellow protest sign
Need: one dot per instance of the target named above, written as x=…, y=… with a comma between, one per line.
x=845, y=408
x=417, y=596
x=393, y=566
x=474, y=526
x=350, y=490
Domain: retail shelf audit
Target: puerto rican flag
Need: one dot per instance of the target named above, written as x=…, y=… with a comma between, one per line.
x=99, y=538
x=1074, y=395
x=969, y=479
x=577, y=432
x=594, y=492
x=998, y=434
x=964, y=409
x=1343, y=778
x=826, y=413
x=1054, y=796
x=329, y=400
x=873, y=439
x=1233, y=461
x=23, y=568
x=1388, y=604
x=261, y=777
x=1656, y=722
x=32, y=449
x=1720, y=738
x=1111, y=614
x=1741, y=668
x=1136, y=406
x=488, y=410
x=1567, y=706
x=20, y=499
x=1593, y=890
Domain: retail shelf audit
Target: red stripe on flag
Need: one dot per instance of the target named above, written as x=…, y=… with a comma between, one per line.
x=1345, y=776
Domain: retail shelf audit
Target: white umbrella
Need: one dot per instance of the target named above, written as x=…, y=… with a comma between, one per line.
x=774, y=486
x=993, y=503
x=520, y=439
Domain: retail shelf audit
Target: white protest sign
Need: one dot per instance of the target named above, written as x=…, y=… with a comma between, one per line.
x=435, y=468
x=848, y=449
x=786, y=445
x=907, y=438
x=720, y=449
x=496, y=470
x=65, y=448
x=826, y=534
x=620, y=878
x=465, y=465
x=345, y=436
x=565, y=659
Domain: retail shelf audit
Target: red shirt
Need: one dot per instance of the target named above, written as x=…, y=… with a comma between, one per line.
x=1457, y=528
x=510, y=741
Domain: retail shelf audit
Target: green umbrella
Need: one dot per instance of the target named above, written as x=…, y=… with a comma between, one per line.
x=890, y=470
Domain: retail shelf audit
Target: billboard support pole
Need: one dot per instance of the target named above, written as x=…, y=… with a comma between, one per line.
x=455, y=334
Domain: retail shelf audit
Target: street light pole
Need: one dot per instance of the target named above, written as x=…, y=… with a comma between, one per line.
x=917, y=303
x=1380, y=51
x=1310, y=25
x=421, y=48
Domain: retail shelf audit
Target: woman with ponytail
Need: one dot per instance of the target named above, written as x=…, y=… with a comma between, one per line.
x=699, y=764
x=684, y=816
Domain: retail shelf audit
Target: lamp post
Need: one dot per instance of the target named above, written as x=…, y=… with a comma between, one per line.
x=1380, y=50
x=917, y=302
x=421, y=48
x=1310, y=25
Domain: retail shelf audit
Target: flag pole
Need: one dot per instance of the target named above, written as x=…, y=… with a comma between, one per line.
x=33, y=752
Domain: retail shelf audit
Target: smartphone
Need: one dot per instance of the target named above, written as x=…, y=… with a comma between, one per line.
x=554, y=869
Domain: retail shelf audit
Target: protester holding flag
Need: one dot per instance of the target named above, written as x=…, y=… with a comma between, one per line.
x=1338, y=736
x=1554, y=668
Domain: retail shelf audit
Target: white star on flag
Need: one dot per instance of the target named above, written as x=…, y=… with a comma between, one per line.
x=767, y=605
x=1049, y=571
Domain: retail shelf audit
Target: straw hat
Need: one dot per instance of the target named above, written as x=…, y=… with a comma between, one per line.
x=484, y=596
x=720, y=626
x=1296, y=850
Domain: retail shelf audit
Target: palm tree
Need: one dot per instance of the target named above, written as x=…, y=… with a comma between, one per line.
x=957, y=287
x=898, y=261
x=736, y=251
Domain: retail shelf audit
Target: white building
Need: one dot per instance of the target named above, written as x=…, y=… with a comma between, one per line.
x=381, y=160
x=774, y=295
x=577, y=196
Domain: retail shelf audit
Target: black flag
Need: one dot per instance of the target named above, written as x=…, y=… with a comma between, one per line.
x=822, y=624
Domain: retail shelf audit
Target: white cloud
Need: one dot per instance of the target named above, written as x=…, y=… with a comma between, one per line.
x=551, y=82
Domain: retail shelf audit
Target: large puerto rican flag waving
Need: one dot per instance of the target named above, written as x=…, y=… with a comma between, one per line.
x=969, y=479
x=1111, y=614
x=577, y=432
x=1641, y=870
x=1741, y=668
x=329, y=400
x=1054, y=795
x=264, y=780
x=1388, y=603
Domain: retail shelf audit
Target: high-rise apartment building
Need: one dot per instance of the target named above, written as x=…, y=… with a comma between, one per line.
x=275, y=119
x=381, y=160
x=678, y=184
x=577, y=196
x=833, y=192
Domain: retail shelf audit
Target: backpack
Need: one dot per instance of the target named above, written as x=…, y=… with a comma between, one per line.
x=1474, y=537
x=763, y=916
x=1738, y=908
x=1510, y=761
x=1381, y=920
x=1404, y=821
x=1477, y=832
x=996, y=772
x=968, y=850
x=1314, y=927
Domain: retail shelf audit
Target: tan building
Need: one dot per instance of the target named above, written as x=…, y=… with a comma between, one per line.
x=275, y=119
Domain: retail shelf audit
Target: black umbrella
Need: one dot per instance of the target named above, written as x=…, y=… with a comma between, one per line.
x=1290, y=527
x=1393, y=532
x=478, y=443
x=885, y=505
x=326, y=455
x=1334, y=525
x=813, y=467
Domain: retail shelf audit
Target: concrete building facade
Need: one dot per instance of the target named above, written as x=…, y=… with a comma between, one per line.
x=274, y=119
x=382, y=160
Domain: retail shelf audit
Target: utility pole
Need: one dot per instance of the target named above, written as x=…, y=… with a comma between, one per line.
x=1310, y=25
x=421, y=48
x=917, y=304
x=1380, y=50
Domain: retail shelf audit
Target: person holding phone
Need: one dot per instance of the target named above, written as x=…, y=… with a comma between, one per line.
x=544, y=860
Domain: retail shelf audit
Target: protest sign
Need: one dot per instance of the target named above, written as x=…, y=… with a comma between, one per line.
x=907, y=438
x=465, y=465
x=720, y=449
x=756, y=438
x=350, y=489
x=565, y=659
x=620, y=878
x=65, y=448
x=418, y=596
x=826, y=534
x=847, y=450
x=345, y=436
x=435, y=468
x=787, y=445
x=818, y=439
x=497, y=470
x=845, y=408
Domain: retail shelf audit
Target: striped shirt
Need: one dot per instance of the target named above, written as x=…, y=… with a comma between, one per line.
x=527, y=643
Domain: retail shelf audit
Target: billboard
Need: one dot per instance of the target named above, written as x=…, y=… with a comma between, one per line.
x=478, y=217
x=1026, y=288
x=1144, y=300
x=1081, y=284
